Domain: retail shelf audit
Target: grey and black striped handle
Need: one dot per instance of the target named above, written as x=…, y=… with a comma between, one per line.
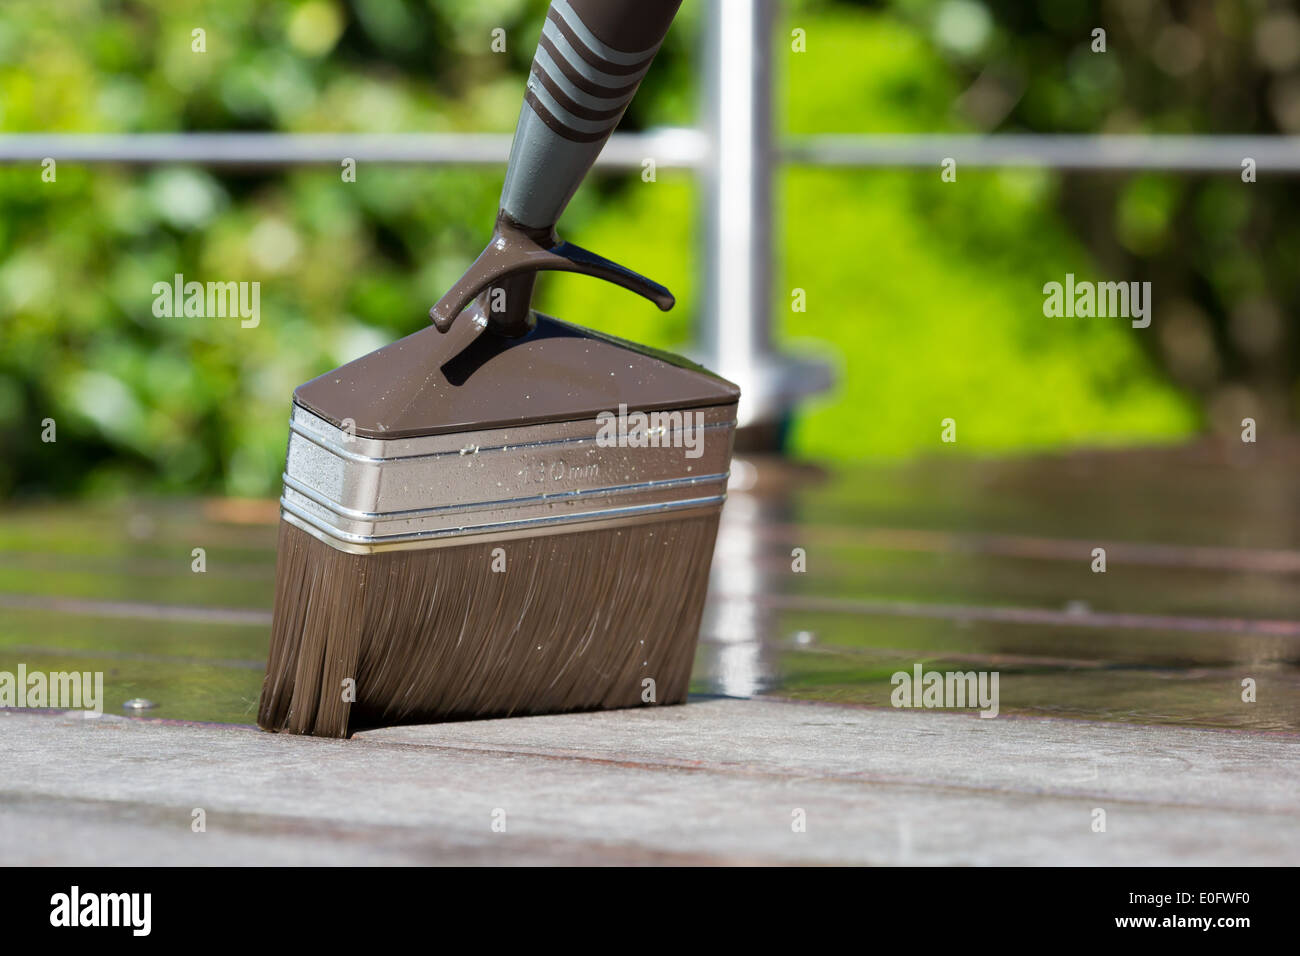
x=590, y=60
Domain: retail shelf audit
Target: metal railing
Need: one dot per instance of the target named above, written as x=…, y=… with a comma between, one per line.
x=733, y=151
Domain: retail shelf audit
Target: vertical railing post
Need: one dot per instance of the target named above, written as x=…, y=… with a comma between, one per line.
x=736, y=321
x=737, y=184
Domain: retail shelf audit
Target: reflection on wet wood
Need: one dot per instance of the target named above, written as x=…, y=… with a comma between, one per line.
x=989, y=565
x=951, y=563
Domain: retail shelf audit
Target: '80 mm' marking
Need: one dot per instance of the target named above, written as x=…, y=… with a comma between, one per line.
x=544, y=471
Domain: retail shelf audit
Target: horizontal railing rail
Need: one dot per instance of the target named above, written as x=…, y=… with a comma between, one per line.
x=672, y=148
x=733, y=153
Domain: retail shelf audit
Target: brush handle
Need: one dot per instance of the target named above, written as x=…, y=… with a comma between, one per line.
x=590, y=60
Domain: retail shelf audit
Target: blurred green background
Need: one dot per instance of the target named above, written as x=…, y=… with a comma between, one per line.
x=936, y=313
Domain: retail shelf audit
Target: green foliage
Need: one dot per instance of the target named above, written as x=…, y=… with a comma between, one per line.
x=927, y=295
x=931, y=292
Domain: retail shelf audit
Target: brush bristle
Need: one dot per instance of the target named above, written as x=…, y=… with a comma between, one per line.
x=576, y=621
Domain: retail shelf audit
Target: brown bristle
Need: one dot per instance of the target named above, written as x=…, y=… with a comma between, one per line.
x=575, y=621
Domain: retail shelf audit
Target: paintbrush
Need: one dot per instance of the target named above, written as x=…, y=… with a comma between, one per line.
x=504, y=514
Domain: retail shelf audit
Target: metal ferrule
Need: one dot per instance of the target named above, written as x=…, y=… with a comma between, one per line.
x=363, y=495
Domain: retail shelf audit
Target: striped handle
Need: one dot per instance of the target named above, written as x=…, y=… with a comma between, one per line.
x=590, y=60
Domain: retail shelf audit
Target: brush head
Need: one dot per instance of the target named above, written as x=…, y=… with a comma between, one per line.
x=513, y=527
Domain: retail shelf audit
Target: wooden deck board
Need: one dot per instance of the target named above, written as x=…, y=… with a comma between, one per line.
x=953, y=564
x=713, y=781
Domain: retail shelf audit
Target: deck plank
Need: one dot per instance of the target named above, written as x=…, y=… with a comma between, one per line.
x=713, y=781
x=1119, y=690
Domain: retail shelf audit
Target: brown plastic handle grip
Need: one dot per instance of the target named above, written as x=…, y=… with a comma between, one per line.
x=513, y=254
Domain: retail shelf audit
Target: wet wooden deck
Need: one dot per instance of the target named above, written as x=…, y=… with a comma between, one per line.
x=1119, y=691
